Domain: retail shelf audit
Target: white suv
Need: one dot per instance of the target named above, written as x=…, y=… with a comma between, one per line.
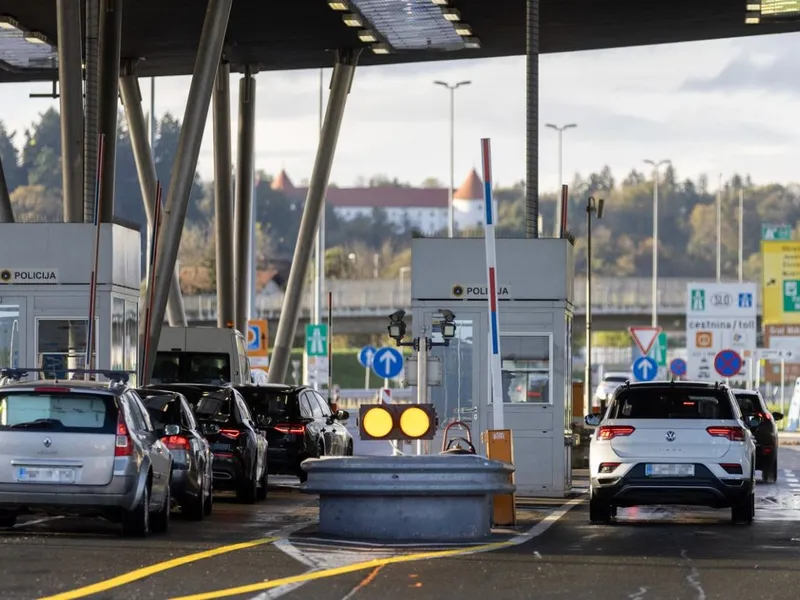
x=672, y=443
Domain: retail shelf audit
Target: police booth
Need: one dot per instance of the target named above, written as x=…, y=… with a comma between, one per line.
x=535, y=311
x=45, y=274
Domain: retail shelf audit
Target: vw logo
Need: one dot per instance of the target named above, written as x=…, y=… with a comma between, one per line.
x=48, y=442
x=670, y=436
x=721, y=299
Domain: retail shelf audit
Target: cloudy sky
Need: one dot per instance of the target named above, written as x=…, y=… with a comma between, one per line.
x=712, y=107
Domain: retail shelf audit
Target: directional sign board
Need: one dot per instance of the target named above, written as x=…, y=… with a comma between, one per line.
x=644, y=337
x=776, y=232
x=317, y=340
x=645, y=368
x=387, y=363
x=728, y=363
x=678, y=367
x=780, y=274
x=365, y=356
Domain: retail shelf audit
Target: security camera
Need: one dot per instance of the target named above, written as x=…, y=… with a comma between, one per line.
x=397, y=316
x=397, y=327
x=448, y=315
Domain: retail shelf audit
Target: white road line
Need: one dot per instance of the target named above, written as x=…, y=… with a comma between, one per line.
x=37, y=521
x=638, y=595
x=693, y=578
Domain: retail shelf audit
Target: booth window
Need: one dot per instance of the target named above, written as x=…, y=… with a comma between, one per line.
x=61, y=345
x=131, y=335
x=9, y=335
x=118, y=334
x=568, y=406
x=526, y=369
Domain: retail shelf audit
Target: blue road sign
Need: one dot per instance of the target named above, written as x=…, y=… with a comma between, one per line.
x=745, y=300
x=645, y=368
x=253, y=338
x=365, y=356
x=387, y=363
x=678, y=367
x=728, y=363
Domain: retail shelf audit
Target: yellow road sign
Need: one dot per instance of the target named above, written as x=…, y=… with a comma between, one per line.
x=780, y=281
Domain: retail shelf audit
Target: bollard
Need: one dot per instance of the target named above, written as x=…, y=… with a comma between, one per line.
x=439, y=498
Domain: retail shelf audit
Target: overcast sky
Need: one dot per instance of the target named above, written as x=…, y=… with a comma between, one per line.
x=711, y=107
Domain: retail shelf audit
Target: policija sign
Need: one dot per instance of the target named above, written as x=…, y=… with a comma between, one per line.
x=28, y=276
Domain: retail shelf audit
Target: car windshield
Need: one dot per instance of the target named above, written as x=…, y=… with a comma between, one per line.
x=163, y=411
x=279, y=405
x=58, y=411
x=192, y=367
x=671, y=403
x=213, y=405
x=749, y=404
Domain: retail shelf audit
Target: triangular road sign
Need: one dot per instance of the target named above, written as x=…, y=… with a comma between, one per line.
x=644, y=337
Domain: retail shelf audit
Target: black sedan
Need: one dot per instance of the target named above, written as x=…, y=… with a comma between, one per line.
x=766, y=432
x=238, y=444
x=192, y=476
x=299, y=425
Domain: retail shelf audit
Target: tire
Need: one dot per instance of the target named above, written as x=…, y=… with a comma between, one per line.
x=261, y=493
x=302, y=475
x=208, y=502
x=160, y=520
x=136, y=522
x=599, y=512
x=195, y=508
x=770, y=472
x=743, y=510
x=247, y=492
x=8, y=520
x=349, y=451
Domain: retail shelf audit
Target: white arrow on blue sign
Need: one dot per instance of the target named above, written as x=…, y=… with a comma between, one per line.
x=645, y=368
x=387, y=363
x=365, y=356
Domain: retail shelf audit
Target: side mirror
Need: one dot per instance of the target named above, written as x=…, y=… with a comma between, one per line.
x=778, y=416
x=172, y=430
x=210, y=428
x=342, y=415
x=593, y=420
x=753, y=421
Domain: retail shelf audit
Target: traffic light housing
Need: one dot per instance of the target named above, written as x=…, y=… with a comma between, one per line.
x=397, y=422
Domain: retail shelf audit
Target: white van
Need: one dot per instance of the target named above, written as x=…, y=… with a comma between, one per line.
x=201, y=355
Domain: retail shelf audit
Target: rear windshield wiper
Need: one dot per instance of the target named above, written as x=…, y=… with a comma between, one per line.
x=39, y=423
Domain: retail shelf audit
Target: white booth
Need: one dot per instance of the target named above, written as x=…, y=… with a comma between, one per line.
x=535, y=311
x=45, y=272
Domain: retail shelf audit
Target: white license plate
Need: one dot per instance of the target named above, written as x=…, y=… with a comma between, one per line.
x=669, y=470
x=46, y=474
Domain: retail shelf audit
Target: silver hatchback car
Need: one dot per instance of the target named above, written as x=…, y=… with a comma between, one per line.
x=81, y=448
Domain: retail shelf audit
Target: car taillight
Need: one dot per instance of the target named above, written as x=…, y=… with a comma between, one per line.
x=290, y=429
x=734, y=434
x=608, y=467
x=123, y=446
x=766, y=416
x=732, y=468
x=609, y=432
x=231, y=433
x=176, y=442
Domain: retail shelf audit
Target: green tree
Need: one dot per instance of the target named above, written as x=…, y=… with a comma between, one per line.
x=41, y=156
x=9, y=157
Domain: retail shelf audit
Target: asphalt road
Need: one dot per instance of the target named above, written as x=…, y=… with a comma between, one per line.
x=653, y=553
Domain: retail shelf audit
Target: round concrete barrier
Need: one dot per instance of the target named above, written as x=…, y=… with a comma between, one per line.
x=436, y=498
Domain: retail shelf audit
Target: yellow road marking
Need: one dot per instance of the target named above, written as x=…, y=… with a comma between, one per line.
x=131, y=576
x=312, y=575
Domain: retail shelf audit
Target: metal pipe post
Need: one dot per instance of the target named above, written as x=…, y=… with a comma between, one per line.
x=243, y=210
x=451, y=211
x=6, y=210
x=146, y=169
x=532, y=121
x=422, y=376
x=319, y=250
x=90, y=119
x=719, y=230
x=341, y=80
x=209, y=52
x=71, y=101
x=110, y=40
x=654, y=291
x=223, y=197
x=587, y=374
x=741, y=235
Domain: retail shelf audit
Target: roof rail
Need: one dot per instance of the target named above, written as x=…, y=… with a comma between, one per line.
x=627, y=383
x=119, y=377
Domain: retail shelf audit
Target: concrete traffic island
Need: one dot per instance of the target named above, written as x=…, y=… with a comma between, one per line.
x=437, y=498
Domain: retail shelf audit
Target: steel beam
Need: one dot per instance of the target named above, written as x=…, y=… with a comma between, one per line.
x=6, y=210
x=110, y=39
x=341, y=81
x=71, y=99
x=209, y=53
x=91, y=34
x=223, y=197
x=131, y=96
x=532, y=121
x=243, y=215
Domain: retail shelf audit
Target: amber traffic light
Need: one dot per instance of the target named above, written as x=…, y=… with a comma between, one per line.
x=397, y=421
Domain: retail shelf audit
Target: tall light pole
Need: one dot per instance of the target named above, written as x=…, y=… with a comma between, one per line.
x=719, y=230
x=451, y=220
x=656, y=166
x=592, y=208
x=560, y=131
x=741, y=235
x=319, y=250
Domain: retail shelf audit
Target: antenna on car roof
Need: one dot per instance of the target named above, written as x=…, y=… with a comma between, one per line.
x=627, y=383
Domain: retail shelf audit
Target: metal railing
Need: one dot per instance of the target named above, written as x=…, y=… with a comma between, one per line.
x=365, y=298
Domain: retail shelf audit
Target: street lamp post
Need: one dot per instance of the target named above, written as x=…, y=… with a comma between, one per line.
x=451, y=221
x=592, y=208
x=560, y=131
x=719, y=230
x=656, y=166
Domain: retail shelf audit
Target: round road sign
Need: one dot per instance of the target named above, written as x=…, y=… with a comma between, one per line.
x=678, y=367
x=728, y=363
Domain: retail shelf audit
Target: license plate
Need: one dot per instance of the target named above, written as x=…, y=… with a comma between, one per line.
x=669, y=470
x=46, y=475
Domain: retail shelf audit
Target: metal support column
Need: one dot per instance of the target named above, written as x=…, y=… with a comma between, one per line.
x=532, y=129
x=71, y=100
x=223, y=196
x=243, y=211
x=110, y=39
x=92, y=31
x=6, y=211
x=209, y=53
x=341, y=80
x=146, y=169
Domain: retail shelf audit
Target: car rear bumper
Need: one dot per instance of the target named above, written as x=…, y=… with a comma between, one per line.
x=704, y=489
x=228, y=471
x=120, y=493
x=285, y=461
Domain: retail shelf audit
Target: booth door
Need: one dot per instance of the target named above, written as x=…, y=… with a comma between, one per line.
x=61, y=345
x=13, y=333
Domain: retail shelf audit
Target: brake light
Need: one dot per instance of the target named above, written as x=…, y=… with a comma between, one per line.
x=231, y=433
x=51, y=390
x=766, y=416
x=732, y=468
x=290, y=429
x=176, y=442
x=609, y=432
x=734, y=434
x=123, y=445
x=608, y=467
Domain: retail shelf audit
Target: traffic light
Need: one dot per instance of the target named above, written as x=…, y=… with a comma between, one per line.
x=397, y=421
